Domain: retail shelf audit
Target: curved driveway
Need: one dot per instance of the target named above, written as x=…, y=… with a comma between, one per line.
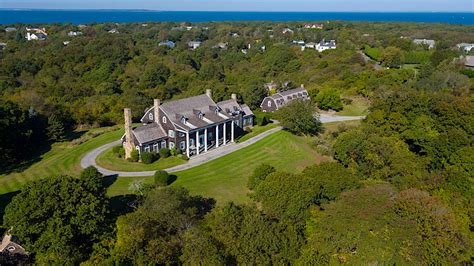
x=90, y=158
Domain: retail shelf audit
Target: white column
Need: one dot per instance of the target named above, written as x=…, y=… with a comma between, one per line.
x=205, y=139
x=224, y=132
x=187, y=144
x=197, y=142
x=232, y=131
x=217, y=135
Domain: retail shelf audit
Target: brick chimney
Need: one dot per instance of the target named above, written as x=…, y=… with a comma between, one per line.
x=156, y=110
x=209, y=93
x=233, y=96
x=128, y=145
x=302, y=86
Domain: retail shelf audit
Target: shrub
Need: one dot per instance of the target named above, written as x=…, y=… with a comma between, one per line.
x=174, y=152
x=183, y=156
x=148, y=157
x=259, y=174
x=162, y=178
x=121, y=152
x=329, y=99
x=134, y=156
x=116, y=150
x=164, y=153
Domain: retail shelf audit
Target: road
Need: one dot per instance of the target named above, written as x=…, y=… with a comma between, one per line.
x=90, y=158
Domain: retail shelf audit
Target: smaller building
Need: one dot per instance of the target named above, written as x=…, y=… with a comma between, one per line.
x=466, y=47
x=287, y=30
x=314, y=26
x=310, y=45
x=10, y=244
x=36, y=34
x=221, y=45
x=82, y=26
x=65, y=43
x=10, y=29
x=169, y=44
x=114, y=31
x=270, y=86
x=3, y=45
x=469, y=61
x=325, y=45
x=278, y=100
x=194, y=44
x=429, y=43
x=74, y=33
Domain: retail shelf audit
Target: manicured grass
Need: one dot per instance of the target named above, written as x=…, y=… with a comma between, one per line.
x=109, y=161
x=358, y=107
x=225, y=179
x=63, y=159
x=256, y=130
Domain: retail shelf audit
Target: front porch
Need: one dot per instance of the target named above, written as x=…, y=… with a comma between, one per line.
x=204, y=139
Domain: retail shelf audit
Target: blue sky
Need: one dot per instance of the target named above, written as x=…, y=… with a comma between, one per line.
x=250, y=5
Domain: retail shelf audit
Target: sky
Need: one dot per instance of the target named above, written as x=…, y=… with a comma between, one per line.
x=250, y=5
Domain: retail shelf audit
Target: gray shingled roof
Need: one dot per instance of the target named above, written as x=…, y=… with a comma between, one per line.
x=284, y=97
x=149, y=132
x=187, y=107
x=232, y=107
x=469, y=61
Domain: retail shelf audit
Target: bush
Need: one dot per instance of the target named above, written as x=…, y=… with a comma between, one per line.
x=182, y=156
x=116, y=150
x=162, y=178
x=174, y=152
x=259, y=174
x=148, y=157
x=329, y=99
x=134, y=156
x=121, y=152
x=164, y=153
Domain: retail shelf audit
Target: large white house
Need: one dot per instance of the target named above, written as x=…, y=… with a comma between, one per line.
x=36, y=34
x=325, y=45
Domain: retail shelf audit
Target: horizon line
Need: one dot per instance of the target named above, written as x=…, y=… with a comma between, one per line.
x=241, y=11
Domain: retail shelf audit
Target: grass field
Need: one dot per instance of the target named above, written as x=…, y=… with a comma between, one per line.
x=63, y=159
x=225, y=179
x=358, y=107
x=109, y=161
x=256, y=130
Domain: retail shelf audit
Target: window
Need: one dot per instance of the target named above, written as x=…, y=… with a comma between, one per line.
x=150, y=116
x=171, y=145
x=200, y=116
x=182, y=145
x=155, y=147
x=163, y=144
x=164, y=119
x=183, y=120
x=171, y=133
x=191, y=142
x=181, y=134
x=147, y=148
x=269, y=103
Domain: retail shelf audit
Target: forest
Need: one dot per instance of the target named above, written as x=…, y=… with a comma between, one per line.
x=399, y=188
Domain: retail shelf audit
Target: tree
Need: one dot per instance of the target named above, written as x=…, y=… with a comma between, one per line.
x=298, y=116
x=392, y=57
x=153, y=233
x=55, y=129
x=259, y=174
x=329, y=99
x=162, y=178
x=58, y=218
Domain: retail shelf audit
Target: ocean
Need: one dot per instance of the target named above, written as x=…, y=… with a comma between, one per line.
x=11, y=16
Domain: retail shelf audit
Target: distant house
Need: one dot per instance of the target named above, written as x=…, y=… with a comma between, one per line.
x=278, y=100
x=74, y=33
x=466, y=47
x=65, y=43
x=36, y=34
x=310, y=45
x=10, y=29
x=144, y=25
x=270, y=86
x=10, y=244
x=82, y=26
x=194, y=44
x=287, y=30
x=193, y=125
x=3, y=45
x=169, y=44
x=469, y=61
x=314, y=26
x=429, y=43
x=114, y=31
x=221, y=45
x=325, y=45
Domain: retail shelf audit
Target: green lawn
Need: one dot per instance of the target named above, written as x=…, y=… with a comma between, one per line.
x=109, y=161
x=358, y=107
x=225, y=179
x=256, y=130
x=63, y=159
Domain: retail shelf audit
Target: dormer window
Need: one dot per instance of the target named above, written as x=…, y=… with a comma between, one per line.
x=164, y=119
x=183, y=120
x=150, y=116
x=217, y=110
x=201, y=116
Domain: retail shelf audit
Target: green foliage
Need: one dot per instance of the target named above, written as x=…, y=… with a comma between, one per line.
x=329, y=99
x=162, y=178
x=148, y=157
x=117, y=149
x=298, y=117
x=59, y=218
x=152, y=234
x=259, y=174
x=373, y=53
x=174, y=151
x=165, y=153
x=262, y=119
x=134, y=156
x=392, y=57
x=55, y=130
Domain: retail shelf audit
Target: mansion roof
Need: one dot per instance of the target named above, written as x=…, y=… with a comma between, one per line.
x=149, y=132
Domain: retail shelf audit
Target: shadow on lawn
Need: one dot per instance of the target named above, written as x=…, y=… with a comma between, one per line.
x=5, y=199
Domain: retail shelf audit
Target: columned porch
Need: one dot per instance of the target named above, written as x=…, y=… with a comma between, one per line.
x=204, y=139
